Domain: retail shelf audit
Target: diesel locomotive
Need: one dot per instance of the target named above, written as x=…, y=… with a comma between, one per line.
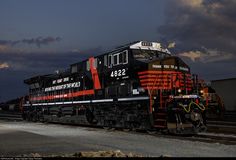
x=138, y=86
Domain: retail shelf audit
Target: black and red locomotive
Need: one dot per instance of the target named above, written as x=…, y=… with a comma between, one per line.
x=136, y=86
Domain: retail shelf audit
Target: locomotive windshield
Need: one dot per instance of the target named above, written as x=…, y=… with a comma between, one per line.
x=149, y=55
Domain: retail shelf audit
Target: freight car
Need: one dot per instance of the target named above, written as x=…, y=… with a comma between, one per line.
x=12, y=105
x=214, y=105
x=135, y=86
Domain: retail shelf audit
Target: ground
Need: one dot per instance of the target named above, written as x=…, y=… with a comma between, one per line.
x=24, y=138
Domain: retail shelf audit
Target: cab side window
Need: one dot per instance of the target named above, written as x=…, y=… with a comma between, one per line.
x=116, y=59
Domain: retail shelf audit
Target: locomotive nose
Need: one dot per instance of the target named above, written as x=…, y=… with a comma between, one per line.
x=169, y=73
x=169, y=64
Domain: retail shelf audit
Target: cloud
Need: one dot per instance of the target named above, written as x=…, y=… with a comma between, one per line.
x=207, y=56
x=204, y=31
x=193, y=55
x=46, y=62
x=39, y=41
x=3, y=48
x=191, y=3
x=24, y=66
x=198, y=24
x=4, y=65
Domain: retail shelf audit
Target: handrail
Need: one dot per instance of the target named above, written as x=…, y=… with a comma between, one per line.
x=200, y=106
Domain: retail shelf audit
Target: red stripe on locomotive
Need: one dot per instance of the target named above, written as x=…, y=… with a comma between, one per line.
x=165, y=80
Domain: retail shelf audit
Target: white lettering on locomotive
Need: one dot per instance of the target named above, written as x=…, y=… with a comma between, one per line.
x=63, y=86
x=183, y=68
x=156, y=66
x=166, y=66
x=170, y=66
x=118, y=73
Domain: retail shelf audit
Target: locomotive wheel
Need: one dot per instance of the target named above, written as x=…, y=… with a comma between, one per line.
x=106, y=128
x=28, y=117
x=150, y=131
x=135, y=126
x=112, y=129
x=24, y=116
x=109, y=128
x=126, y=129
x=106, y=125
x=203, y=128
x=89, y=116
x=41, y=118
x=34, y=117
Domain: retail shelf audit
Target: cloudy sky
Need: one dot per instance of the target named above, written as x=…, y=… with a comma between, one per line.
x=39, y=37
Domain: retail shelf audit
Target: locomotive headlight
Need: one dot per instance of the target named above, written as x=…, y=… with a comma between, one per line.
x=179, y=90
x=201, y=91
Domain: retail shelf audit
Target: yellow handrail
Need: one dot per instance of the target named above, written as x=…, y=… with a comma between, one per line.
x=200, y=106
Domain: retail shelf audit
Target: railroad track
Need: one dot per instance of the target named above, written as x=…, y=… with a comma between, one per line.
x=218, y=131
x=10, y=116
x=209, y=138
x=217, y=138
x=200, y=137
x=221, y=127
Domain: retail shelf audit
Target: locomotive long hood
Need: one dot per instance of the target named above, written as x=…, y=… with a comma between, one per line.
x=169, y=64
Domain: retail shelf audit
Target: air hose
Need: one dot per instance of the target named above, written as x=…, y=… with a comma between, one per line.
x=200, y=106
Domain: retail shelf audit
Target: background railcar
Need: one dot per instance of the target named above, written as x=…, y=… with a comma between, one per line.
x=134, y=86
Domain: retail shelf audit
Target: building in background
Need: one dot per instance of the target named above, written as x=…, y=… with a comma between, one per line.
x=226, y=89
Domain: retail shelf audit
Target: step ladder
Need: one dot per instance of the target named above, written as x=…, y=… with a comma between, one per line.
x=160, y=119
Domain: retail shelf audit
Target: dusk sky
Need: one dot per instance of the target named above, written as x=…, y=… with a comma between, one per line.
x=41, y=36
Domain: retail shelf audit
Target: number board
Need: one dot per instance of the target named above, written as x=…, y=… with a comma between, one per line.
x=118, y=73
